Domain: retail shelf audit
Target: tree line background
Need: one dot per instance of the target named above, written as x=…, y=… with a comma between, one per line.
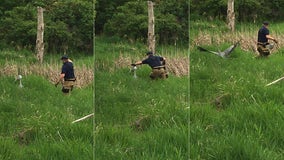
x=128, y=19
x=245, y=10
x=68, y=25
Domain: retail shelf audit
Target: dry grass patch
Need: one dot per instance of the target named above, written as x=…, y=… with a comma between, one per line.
x=84, y=74
x=178, y=66
x=248, y=40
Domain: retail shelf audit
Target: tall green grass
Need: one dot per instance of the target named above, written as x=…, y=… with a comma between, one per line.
x=26, y=57
x=249, y=123
x=220, y=27
x=36, y=119
x=121, y=100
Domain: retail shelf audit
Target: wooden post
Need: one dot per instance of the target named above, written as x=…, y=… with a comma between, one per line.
x=40, y=32
x=151, y=27
x=231, y=15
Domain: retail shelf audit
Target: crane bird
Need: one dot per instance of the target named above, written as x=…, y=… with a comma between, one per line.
x=19, y=78
x=133, y=69
x=223, y=54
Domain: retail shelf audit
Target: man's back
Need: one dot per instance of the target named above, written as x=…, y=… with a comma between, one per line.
x=68, y=69
x=263, y=31
x=153, y=61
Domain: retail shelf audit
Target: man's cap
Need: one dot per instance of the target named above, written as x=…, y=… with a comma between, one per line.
x=64, y=57
x=148, y=53
x=265, y=23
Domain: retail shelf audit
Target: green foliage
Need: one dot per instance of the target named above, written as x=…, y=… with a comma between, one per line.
x=68, y=25
x=36, y=119
x=172, y=21
x=104, y=11
x=249, y=123
x=20, y=57
x=207, y=9
x=246, y=10
x=130, y=20
x=18, y=27
x=137, y=118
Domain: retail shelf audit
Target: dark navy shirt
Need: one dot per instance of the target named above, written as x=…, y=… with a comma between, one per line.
x=262, y=35
x=153, y=61
x=68, y=70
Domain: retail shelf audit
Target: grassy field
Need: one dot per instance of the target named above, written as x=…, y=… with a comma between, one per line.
x=36, y=119
x=138, y=118
x=232, y=114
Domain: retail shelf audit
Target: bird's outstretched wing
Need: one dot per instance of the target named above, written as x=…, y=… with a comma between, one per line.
x=230, y=49
x=223, y=54
x=205, y=50
x=202, y=49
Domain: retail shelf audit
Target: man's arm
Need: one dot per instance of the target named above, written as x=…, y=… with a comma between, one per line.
x=164, y=61
x=137, y=63
x=61, y=77
x=271, y=38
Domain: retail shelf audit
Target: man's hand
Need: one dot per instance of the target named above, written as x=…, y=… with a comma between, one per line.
x=275, y=41
x=164, y=62
x=133, y=64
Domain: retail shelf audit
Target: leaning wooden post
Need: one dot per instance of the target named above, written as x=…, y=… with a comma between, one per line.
x=231, y=15
x=151, y=27
x=277, y=80
x=40, y=32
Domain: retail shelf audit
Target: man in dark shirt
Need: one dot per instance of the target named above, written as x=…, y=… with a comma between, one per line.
x=67, y=76
x=157, y=64
x=262, y=40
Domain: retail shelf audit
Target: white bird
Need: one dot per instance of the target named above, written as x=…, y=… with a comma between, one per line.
x=19, y=78
x=133, y=69
x=223, y=54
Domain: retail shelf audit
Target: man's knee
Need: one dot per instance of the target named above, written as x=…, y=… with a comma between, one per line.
x=263, y=51
x=160, y=74
x=67, y=89
x=164, y=76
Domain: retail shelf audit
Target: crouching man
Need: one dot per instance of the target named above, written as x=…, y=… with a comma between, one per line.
x=157, y=64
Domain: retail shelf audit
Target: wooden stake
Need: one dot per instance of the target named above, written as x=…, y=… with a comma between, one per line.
x=231, y=15
x=40, y=32
x=151, y=27
x=85, y=117
x=275, y=81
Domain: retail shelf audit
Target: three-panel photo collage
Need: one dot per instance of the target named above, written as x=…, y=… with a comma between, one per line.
x=141, y=80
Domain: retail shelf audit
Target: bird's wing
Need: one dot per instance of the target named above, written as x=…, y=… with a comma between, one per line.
x=222, y=54
x=217, y=53
x=230, y=49
x=205, y=50
x=202, y=49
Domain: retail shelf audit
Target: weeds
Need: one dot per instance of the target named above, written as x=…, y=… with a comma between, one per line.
x=84, y=74
x=247, y=37
x=36, y=119
x=137, y=118
x=233, y=115
x=177, y=66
